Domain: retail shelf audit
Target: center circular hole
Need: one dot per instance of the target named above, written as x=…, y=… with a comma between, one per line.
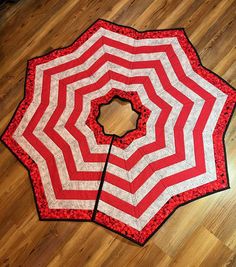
x=118, y=117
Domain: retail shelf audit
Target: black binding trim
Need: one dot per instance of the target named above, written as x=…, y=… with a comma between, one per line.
x=102, y=180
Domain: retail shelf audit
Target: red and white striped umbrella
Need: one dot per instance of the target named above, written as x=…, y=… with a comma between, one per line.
x=129, y=184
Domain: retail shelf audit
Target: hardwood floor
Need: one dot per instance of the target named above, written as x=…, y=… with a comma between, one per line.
x=202, y=233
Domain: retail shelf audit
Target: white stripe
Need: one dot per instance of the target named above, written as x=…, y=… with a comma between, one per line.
x=168, y=128
x=73, y=142
x=59, y=157
x=53, y=203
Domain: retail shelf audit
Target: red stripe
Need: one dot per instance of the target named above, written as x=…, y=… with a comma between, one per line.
x=60, y=193
x=72, y=64
x=104, y=79
x=135, y=211
x=200, y=163
x=76, y=113
x=119, y=59
x=176, y=178
x=59, y=140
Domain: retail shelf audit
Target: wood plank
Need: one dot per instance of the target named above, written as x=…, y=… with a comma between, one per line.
x=202, y=233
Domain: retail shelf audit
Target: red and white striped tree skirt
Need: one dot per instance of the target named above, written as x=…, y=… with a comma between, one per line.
x=128, y=184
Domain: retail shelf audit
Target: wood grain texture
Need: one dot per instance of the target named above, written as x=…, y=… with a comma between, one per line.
x=202, y=233
x=118, y=117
